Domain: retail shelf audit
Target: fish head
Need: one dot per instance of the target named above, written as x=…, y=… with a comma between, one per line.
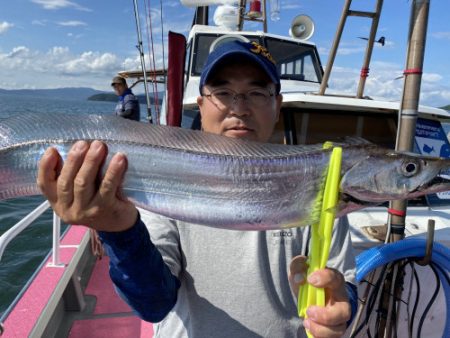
x=388, y=175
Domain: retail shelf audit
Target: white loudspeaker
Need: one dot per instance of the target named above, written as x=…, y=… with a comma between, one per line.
x=302, y=27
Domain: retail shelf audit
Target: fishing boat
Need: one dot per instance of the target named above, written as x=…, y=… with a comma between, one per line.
x=71, y=295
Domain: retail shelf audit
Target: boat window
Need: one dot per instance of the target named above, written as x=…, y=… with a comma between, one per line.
x=310, y=126
x=201, y=50
x=295, y=60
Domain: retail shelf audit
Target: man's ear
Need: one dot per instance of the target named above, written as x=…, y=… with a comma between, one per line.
x=279, y=101
x=200, y=101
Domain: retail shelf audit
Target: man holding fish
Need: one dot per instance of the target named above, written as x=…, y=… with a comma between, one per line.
x=201, y=281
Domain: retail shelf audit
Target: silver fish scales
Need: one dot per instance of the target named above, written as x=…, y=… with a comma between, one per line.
x=214, y=180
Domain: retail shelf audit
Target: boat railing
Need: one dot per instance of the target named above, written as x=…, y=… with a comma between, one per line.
x=15, y=230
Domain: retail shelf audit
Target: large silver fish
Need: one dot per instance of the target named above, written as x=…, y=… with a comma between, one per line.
x=214, y=180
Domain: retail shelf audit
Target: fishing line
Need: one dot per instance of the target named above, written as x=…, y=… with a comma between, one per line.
x=151, y=52
x=431, y=301
x=445, y=278
x=370, y=302
x=373, y=299
x=362, y=302
x=415, y=277
x=411, y=249
x=162, y=44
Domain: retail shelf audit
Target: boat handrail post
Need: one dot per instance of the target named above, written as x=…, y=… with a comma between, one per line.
x=16, y=229
x=56, y=242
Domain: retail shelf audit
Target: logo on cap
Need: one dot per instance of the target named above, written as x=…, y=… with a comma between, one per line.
x=258, y=49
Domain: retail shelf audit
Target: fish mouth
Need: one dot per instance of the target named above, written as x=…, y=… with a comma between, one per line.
x=347, y=198
x=439, y=183
x=349, y=203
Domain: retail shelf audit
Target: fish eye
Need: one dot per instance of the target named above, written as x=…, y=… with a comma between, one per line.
x=410, y=168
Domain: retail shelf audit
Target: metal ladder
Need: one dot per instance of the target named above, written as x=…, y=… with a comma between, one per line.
x=346, y=12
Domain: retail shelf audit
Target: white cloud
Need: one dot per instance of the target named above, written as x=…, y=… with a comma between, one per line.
x=89, y=62
x=58, y=4
x=441, y=35
x=14, y=61
x=131, y=63
x=356, y=47
x=431, y=77
x=343, y=50
x=435, y=98
x=171, y=3
x=383, y=83
x=39, y=22
x=289, y=5
x=5, y=26
x=59, y=60
x=72, y=23
x=58, y=51
x=58, y=67
x=20, y=51
x=350, y=50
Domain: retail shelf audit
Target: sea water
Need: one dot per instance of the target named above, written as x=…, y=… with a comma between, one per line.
x=24, y=253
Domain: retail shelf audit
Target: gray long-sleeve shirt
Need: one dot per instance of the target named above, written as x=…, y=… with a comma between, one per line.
x=235, y=283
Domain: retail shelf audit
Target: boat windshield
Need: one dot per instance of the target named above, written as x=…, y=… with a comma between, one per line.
x=295, y=60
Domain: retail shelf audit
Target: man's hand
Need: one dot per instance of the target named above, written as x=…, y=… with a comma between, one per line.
x=329, y=321
x=79, y=195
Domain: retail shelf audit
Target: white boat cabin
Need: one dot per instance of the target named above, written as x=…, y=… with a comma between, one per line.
x=307, y=117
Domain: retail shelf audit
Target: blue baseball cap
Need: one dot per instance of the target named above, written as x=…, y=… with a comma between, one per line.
x=235, y=49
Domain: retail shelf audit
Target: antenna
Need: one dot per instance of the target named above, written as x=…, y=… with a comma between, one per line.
x=151, y=119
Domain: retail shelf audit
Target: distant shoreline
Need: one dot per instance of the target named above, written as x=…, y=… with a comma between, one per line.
x=113, y=98
x=70, y=93
x=89, y=94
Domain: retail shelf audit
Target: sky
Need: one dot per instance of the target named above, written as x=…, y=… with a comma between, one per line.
x=84, y=43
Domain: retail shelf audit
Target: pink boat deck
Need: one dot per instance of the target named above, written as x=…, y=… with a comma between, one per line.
x=120, y=323
x=110, y=317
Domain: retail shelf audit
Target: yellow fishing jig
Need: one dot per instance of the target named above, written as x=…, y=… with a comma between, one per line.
x=321, y=232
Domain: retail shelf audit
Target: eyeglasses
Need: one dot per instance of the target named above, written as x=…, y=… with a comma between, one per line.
x=225, y=98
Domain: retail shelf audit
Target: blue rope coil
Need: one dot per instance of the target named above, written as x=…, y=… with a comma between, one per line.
x=411, y=248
